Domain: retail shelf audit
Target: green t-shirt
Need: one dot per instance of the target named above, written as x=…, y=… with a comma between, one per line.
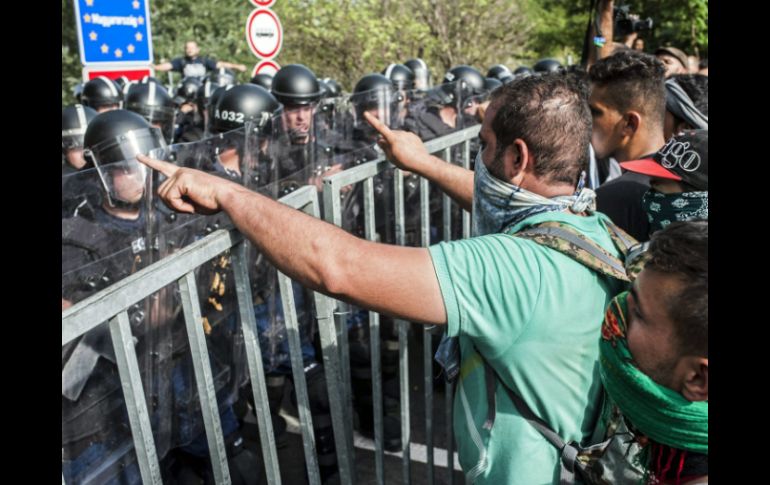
x=535, y=314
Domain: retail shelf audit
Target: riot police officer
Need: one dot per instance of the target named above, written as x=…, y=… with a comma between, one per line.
x=421, y=73
x=101, y=94
x=448, y=104
x=153, y=103
x=74, y=120
x=297, y=88
x=95, y=254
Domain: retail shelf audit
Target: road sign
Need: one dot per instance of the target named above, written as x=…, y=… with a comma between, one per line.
x=266, y=67
x=114, y=72
x=264, y=33
x=114, y=31
x=262, y=3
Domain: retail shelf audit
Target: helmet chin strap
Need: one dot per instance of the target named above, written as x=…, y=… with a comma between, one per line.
x=116, y=203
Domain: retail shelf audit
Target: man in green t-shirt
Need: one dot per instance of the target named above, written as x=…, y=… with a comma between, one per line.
x=533, y=313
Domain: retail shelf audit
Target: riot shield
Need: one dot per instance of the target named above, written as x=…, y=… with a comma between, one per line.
x=113, y=243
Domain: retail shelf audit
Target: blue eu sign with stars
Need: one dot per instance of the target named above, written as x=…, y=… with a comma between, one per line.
x=114, y=31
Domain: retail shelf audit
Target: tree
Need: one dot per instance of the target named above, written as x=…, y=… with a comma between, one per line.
x=346, y=39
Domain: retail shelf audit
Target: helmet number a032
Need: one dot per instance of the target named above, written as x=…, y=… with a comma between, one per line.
x=229, y=116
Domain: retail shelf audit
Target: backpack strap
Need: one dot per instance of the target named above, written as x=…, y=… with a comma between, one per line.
x=562, y=238
x=568, y=451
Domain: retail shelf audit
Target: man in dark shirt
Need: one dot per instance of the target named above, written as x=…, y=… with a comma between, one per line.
x=192, y=65
x=628, y=106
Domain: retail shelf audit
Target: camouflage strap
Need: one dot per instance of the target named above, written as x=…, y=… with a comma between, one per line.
x=566, y=240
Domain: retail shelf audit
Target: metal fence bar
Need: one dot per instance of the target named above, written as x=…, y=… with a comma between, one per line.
x=403, y=340
x=374, y=342
x=254, y=361
x=300, y=383
x=341, y=310
x=446, y=207
x=450, y=438
x=427, y=348
x=306, y=199
x=131, y=381
x=467, y=166
x=203, y=377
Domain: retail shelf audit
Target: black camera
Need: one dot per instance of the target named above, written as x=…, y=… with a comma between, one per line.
x=626, y=23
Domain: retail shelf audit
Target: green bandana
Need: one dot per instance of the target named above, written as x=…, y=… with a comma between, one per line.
x=663, y=209
x=660, y=413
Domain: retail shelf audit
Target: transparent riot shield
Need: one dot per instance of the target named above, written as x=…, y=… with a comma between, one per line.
x=226, y=155
x=99, y=251
x=293, y=142
x=80, y=192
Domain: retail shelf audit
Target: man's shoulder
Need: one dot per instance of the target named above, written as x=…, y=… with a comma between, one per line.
x=624, y=182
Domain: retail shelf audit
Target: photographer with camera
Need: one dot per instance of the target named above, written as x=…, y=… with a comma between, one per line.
x=610, y=22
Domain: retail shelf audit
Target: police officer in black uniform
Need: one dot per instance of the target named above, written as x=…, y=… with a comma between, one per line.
x=95, y=254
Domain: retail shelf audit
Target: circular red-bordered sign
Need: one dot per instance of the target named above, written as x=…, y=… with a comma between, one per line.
x=262, y=3
x=266, y=67
x=264, y=33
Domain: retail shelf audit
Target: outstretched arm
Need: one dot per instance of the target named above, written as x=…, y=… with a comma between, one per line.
x=164, y=66
x=407, y=152
x=394, y=280
x=230, y=65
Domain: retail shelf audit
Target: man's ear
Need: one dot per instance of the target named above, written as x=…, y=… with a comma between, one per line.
x=633, y=121
x=695, y=386
x=516, y=159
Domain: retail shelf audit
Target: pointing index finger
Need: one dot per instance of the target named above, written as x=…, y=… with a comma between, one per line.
x=167, y=169
x=379, y=126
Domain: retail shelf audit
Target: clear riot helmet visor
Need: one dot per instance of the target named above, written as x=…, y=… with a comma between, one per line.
x=122, y=176
x=298, y=122
x=124, y=182
x=378, y=103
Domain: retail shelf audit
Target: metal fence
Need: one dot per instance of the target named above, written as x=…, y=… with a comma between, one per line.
x=111, y=305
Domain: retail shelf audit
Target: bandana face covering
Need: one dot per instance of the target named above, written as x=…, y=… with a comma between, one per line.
x=663, y=209
x=658, y=412
x=498, y=205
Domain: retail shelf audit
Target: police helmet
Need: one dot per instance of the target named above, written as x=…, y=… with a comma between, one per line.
x=400, y=75
x=112, y=141
x=497, y=71
x=295, y=84
x=264, y=80
x=100, y=92
x=74, y=120
x=547, y=65
x=241, y=104
x=152, y=101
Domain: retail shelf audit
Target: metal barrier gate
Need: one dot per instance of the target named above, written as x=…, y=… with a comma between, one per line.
x=112, y=303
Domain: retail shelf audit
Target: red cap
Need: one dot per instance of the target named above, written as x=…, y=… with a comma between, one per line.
x=648, y=166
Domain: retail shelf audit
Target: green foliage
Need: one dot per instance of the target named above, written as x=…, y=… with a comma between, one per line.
x=345, y=39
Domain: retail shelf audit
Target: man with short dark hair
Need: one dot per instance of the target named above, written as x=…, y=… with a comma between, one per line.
x=654, y=358
x=628, y=104
x=504, y=297
x=192, y=65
